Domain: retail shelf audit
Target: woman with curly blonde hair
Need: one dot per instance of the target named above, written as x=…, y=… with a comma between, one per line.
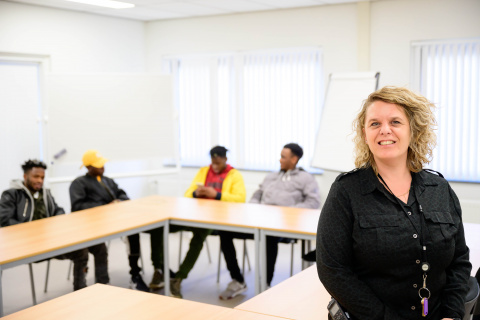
x=390, y=240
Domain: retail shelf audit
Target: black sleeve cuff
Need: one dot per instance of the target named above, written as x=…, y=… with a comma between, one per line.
x=219, y=196
x=194, y=194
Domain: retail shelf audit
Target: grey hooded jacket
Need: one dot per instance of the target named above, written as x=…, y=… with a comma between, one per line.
x=293, y=188
x=17, y=206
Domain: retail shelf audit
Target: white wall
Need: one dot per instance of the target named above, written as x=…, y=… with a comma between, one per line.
x=75, y=42
x=341, y=31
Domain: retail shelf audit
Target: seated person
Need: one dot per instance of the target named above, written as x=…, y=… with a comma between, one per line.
x=290, y=187
x=219, y=181
x=93, y=190
x=27, y=200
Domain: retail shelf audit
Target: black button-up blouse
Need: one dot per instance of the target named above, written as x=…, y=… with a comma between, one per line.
x=369, y=252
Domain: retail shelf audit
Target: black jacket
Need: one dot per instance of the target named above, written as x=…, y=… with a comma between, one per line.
x=86, y=192
x=369, y=253
x=17, y=206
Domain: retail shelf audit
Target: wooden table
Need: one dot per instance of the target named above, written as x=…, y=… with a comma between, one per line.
x=107, y=302
x=37, y=240
x=259, y=220
x=46, y=238
x=302, y=296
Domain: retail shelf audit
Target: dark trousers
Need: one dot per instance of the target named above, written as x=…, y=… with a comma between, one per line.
x=134, y=254
x=80, y=260
x=100, y=254
x=228, y=249
x=196, y=245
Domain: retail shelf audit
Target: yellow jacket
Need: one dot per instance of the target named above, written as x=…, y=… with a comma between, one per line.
x=233, y=187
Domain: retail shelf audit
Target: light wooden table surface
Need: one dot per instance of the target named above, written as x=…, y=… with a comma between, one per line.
x=302, y=296
x=46, y=235
x=246, y=215
x=100, y=302
x=37, y=240
x=32, y=241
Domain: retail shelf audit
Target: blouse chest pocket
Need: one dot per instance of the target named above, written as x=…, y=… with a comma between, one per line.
x=380, y=233
x=442, y=228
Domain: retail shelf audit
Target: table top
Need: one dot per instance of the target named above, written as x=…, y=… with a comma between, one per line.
x=108, y=302
x=302, y=296
x=249, y=215
x=37, y=237
x=40, y=236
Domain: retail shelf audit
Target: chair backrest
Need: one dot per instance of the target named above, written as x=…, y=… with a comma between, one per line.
x=471, y=298
x=476, y=311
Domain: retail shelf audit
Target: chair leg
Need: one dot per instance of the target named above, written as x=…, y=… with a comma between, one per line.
x=46, y=277
x=243, y=262
x=302, y=253
x=208, y=251
x=32, y=283
x=180, y=250
x=291, y=259
x=142, y=270
x=248, y=257
x=219, y=262
x=70, y=266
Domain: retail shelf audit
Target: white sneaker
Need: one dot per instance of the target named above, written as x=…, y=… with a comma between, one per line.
x=234, y=288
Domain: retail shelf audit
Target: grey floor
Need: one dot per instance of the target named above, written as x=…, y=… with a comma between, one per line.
x=200, y=285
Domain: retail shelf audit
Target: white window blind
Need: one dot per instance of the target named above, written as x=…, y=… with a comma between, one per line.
x=447, y=73
x=253, y=103
x=194, y=102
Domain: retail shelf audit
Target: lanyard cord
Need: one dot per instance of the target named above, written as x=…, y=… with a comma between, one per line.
x=423, y=228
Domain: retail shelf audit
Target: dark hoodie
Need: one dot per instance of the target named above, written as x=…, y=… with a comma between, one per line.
x=17, y=205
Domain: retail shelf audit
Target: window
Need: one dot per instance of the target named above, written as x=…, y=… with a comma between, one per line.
x=447, y=73
x=253, y=103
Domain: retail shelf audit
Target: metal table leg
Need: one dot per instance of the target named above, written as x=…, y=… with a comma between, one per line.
x=166, y=266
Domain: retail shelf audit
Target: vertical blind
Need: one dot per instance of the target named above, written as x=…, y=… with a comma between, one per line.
x=447, y=73
x=253, y=103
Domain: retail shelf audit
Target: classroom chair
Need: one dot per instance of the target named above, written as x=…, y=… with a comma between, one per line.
x=471, y=298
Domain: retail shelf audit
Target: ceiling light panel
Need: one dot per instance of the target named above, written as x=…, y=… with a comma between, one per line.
x=234, y=5
x=289, y=3
x=188, y=9
x=112, y=4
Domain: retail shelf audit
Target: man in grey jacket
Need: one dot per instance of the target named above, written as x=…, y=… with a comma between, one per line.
x=27, y=200
x=290, y=187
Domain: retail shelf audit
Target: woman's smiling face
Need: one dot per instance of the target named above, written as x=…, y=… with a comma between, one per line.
x=387, y=131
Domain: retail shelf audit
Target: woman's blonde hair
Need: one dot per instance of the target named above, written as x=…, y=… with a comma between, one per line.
x=419, y=112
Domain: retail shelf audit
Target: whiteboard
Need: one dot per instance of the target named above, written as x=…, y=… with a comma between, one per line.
x=345, y=94
x=126, y=117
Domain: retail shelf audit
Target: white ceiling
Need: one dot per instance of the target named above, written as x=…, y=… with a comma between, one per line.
x=147, y=10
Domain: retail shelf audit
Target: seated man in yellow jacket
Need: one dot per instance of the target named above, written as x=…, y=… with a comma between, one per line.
x=219, y=181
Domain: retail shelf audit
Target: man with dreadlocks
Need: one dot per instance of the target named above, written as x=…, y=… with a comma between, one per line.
x=27, y=200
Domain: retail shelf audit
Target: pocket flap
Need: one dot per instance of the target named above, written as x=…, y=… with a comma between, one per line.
x=439, y=217
x=375, y=221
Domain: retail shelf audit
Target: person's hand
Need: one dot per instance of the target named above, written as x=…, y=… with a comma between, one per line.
x=200, y=192
x=210, y=192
